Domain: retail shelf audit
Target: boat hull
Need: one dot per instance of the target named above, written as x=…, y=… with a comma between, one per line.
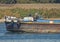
x=32, y=27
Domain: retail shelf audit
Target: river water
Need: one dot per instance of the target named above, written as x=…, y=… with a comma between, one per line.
x=6, y=36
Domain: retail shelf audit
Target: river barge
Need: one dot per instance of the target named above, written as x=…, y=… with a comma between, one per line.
x=38, y=26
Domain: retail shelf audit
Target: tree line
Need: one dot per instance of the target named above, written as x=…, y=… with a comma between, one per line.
x=28, y=1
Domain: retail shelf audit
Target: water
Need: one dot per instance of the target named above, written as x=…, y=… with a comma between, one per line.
x=6, y=36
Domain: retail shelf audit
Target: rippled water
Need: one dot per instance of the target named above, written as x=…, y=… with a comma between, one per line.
x=6, y=36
